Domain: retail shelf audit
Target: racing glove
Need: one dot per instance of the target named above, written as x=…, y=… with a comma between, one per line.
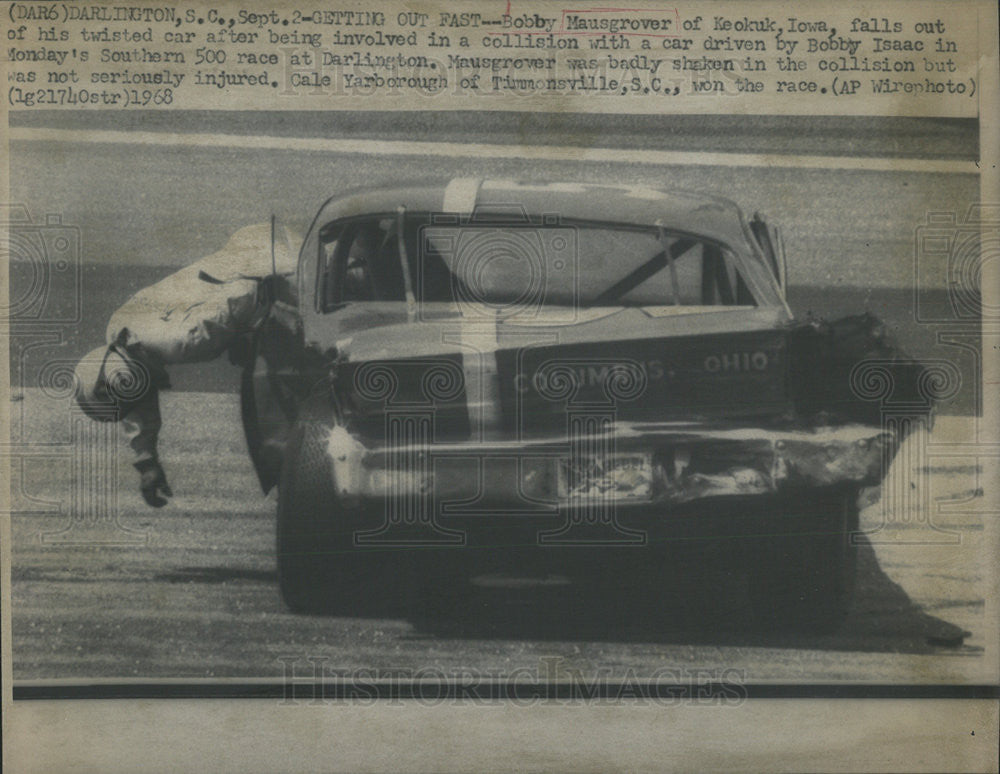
x=152, y=482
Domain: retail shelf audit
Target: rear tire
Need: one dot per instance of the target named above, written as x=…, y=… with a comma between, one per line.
x=802, y=564
x=320, y=570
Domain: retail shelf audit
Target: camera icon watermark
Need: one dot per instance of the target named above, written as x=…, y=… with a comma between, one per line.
x=66, y=471
x=953, y=251
x=502, y=265
x=45, y=271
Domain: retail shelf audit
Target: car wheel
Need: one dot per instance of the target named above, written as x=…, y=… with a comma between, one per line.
x=801, y=566
x=320, y=570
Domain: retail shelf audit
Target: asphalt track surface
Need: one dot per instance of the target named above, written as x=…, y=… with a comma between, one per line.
x=192, y=593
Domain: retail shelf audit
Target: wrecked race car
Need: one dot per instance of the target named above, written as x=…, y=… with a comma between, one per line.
x=493, y=376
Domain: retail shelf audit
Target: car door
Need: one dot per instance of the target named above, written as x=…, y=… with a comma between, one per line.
x=270, y=387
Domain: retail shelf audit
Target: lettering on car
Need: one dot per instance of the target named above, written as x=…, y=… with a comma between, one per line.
x=736, y=361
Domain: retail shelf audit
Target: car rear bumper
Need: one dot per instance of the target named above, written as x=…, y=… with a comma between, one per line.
x=630, y=466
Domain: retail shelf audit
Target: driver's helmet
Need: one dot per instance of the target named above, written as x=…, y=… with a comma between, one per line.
x=109, y=382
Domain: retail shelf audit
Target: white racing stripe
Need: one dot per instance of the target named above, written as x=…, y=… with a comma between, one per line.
x=478, y=340
x=492, y=151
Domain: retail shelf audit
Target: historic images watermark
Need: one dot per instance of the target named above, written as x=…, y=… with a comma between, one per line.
x=313, y=680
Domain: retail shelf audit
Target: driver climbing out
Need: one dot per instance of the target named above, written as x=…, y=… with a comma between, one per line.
x=191, y=316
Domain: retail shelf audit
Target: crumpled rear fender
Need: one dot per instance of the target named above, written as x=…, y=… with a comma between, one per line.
x=851, y=370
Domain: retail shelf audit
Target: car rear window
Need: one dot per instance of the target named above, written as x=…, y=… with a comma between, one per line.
x=500, y=264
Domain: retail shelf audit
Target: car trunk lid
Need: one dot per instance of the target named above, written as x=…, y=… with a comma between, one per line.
x=503, y=379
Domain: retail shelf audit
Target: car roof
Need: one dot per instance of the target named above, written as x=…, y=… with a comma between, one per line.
x=713, y=217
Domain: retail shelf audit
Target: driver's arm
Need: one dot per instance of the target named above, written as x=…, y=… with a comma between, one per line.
x=142, y=428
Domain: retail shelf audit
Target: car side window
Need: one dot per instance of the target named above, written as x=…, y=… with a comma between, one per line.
x=356, y=281
x=360, y=263
x=721, y=282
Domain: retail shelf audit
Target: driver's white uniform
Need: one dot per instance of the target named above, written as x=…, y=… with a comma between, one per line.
x=194, y=315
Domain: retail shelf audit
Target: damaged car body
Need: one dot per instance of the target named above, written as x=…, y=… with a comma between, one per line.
x=532, y=373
